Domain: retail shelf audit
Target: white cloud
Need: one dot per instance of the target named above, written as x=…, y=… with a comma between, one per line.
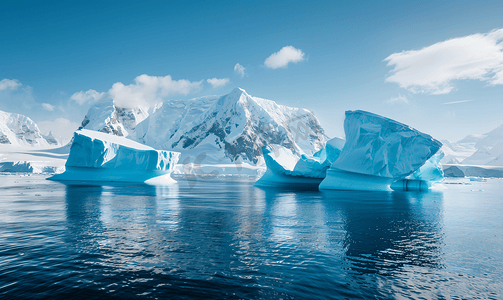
x=399, y=99
x=48, y=107
x=148, y=90
x=283, y=57
x=11, y=84
x=240, y=70
x=16, y=97
x=455, y=102
x=216, y=83
x=434, y=68
x=88, y=96
x=62, y=129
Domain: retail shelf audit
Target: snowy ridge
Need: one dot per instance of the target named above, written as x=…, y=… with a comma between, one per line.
x=20, y=131
x=476, y=149
x=228, y=129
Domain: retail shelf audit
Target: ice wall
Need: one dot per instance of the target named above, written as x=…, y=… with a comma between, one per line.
x=96, y=156
x=377, y=152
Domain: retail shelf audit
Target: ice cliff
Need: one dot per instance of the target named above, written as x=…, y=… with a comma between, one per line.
x=377, y=152
x=96, y=156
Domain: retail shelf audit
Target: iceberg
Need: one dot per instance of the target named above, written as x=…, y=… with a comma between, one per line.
x=96, y=156
x=431, y=171
x=423, y=178
x=287, y=169
x=378, y=151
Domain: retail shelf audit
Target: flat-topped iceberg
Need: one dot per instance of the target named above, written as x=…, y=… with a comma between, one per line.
x=377, y=152
x=96, y=156
x=287, y=169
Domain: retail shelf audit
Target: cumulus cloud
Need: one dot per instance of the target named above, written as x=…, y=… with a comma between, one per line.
x=87, y=97
x=399, y=99
x=216, y=83
x=283, y=57
x=48, y=107
x=240, y=70
x=148, y=90
x=11, y=84
x=434, y=68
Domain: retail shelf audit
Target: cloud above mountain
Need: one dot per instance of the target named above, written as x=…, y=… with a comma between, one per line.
x=283, y=57
x=216, y=82
x=240, y=70
x=48, y=106
x=434, y=69
x=89, y=96
x=147, y=90
x=11, y=84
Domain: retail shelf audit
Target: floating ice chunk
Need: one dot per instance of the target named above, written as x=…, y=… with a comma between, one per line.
x=377, y=152
x=286, y=169
x=96, y=156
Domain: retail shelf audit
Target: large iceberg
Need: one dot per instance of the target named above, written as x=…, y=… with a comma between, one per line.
x=377, y=152
x=288, y=169
x=96, y=156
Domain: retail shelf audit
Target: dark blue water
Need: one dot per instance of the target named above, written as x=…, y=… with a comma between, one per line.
x=230, y=240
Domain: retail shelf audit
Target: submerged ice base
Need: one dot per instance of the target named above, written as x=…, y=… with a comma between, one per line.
x=344, y=180
x=378, y=151
x=96, y=156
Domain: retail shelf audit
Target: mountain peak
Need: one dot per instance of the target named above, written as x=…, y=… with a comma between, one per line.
x=238, y=90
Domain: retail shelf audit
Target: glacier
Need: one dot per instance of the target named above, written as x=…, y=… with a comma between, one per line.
x=286, y=169
x=97, y=156
x=378, y=151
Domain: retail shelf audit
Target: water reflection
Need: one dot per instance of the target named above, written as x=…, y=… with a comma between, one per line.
x=230, y=231
x=118, y=223
x=384, y=232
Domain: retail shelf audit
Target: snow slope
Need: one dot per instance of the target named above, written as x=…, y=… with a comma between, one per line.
x=23, y=148
x=476, y=149
x=20, y=131
x=210, y=131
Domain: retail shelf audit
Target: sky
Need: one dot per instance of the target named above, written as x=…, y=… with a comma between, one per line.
x=434, y=65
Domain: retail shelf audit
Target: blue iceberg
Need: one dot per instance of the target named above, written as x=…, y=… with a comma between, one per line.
x=287, y=169
x=96, y=156
x=378, y=151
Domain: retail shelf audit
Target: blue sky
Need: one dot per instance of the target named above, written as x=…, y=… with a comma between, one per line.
x=51, y=51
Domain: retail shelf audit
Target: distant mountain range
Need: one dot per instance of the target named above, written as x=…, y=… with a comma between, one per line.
x=230, y=128
x=226, y=129
x=476, y=149
x=20, y=131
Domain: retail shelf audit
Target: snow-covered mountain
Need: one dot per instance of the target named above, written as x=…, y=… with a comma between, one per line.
x=477, y=149
x=20, y=131
x=230, y=128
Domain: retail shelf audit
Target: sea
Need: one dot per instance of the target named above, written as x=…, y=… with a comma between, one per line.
x=226, y=239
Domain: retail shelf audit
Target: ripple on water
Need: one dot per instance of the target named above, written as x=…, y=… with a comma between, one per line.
x=219, y=240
